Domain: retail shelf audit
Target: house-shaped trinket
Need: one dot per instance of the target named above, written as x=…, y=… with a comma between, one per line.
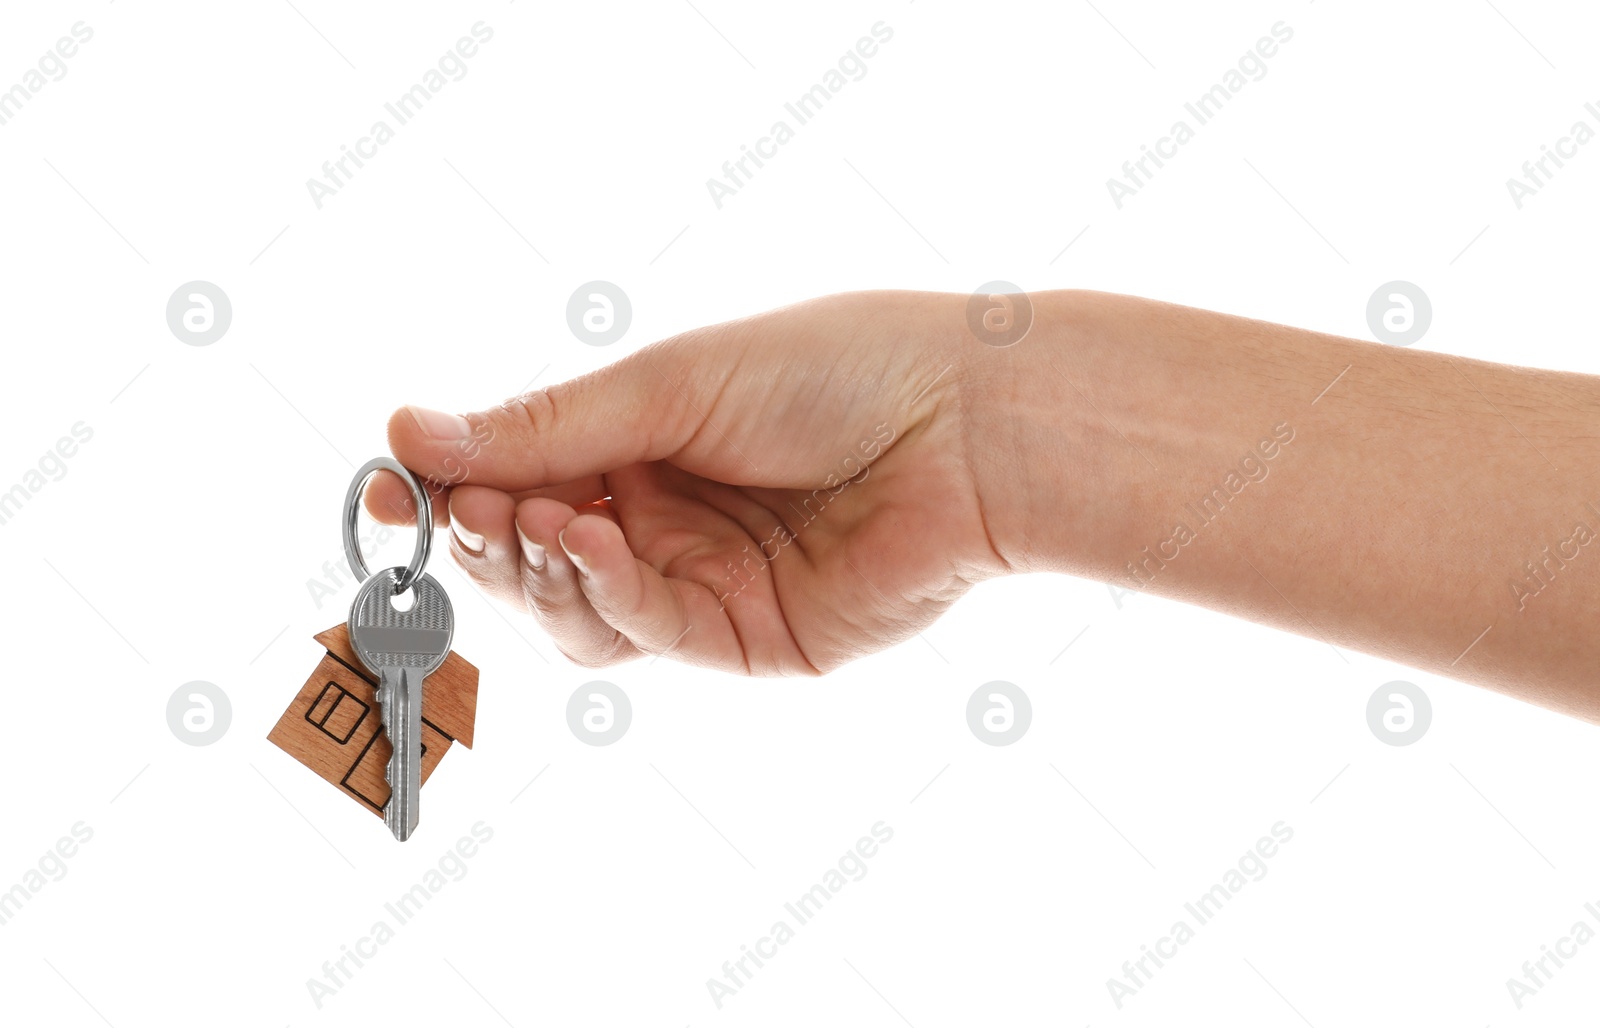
x=334, y=726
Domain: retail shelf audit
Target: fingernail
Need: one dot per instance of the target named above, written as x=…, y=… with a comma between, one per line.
x=532, y=552
x=439, y=425
x=577, y=561
x=470, y=541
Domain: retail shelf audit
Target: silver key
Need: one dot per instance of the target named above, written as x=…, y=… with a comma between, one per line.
x=402, y=648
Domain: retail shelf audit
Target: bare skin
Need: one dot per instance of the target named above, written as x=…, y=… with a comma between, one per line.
x=784, y=493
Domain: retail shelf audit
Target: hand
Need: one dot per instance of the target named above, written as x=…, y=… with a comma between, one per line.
x=775, y=495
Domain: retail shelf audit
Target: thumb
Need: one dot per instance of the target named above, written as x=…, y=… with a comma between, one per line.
x=627, y=412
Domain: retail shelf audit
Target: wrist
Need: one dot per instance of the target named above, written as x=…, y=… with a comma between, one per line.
x=1066, y=429
x=1011, y=438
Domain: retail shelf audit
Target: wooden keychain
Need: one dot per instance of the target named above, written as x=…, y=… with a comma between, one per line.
x=386, y=674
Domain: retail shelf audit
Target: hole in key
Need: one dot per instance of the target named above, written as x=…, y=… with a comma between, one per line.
x=404, y=601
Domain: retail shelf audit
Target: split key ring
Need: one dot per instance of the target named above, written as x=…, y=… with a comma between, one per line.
x=352, y=511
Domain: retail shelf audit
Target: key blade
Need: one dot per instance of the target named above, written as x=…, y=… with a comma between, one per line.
x=400, y=704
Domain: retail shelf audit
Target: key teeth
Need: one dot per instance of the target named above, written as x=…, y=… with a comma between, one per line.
x=386, y=718
x=386, y=715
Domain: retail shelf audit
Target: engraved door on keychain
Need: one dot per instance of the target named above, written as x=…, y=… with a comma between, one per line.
x=388, y=697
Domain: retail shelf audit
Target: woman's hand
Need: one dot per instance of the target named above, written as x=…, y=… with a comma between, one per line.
x=775, y=495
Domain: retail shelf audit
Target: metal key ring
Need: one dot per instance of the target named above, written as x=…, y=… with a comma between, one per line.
x=352, y=511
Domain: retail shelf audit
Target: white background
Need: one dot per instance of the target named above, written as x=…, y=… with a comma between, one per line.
x=1164, y=741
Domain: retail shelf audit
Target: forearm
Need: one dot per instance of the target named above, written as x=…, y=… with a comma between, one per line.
x=1387, y=500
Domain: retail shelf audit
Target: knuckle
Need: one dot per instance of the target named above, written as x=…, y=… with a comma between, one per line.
x=535, y=410
x=528, y=419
